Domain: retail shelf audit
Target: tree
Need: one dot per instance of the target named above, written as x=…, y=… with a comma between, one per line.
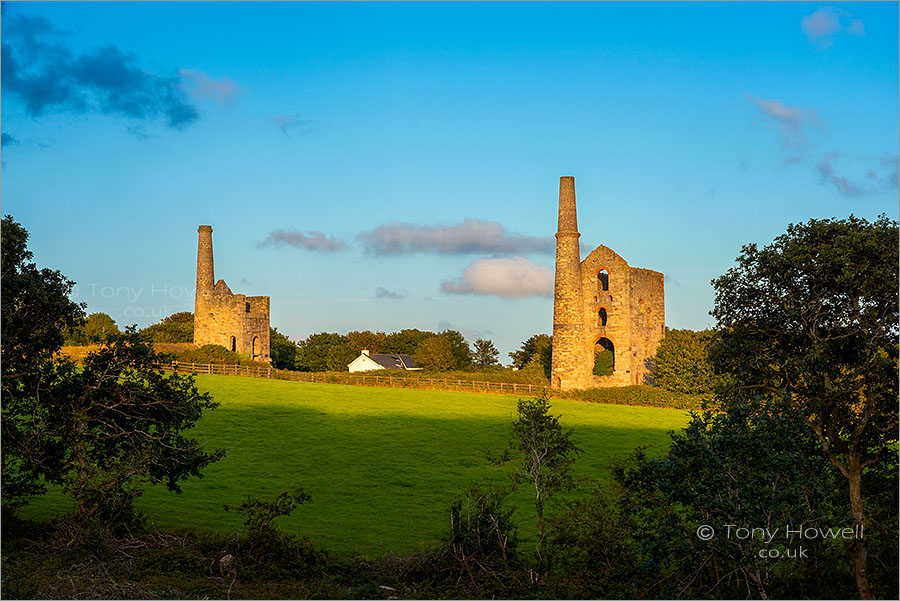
x=459, y=348
x=546, y=455
x=531, y=348
x=340, y=356
x=124, y=423
x=178, y=327
x=812, y=319
x=752, y=467
x=283, y=350
x=99, y=430
x=404, y=342
x=93, y=330
x=435, y=354
x=312, y=353
x=486, y=354
x=682, y=362
x=36, y=310
x=371, y=341
x=98, y=327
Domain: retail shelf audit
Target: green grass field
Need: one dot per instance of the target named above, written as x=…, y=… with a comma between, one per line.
x=381, y=464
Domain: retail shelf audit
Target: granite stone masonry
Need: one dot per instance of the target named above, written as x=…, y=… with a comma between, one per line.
x=601, y=303
x=238, y=322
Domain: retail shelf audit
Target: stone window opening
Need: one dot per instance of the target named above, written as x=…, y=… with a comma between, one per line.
x=246, y=307
x=233, y=344
x=603, y=279
x=604, y=357
x=254, y=349
x=601, y=316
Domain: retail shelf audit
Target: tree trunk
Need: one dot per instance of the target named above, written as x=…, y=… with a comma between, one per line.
x=859, y=549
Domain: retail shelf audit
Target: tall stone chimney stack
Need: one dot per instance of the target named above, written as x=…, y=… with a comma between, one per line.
x=205, y=274
x=568, y=304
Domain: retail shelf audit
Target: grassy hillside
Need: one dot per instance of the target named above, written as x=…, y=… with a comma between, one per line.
x=381, y=464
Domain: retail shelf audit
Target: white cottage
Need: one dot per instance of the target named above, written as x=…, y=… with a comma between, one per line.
x=371, y=361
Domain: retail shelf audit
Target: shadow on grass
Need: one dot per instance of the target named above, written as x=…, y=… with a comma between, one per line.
x=381, y=477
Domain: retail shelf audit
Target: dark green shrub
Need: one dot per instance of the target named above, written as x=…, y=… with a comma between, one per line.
x=483, y=536
x=592, y=555
x=638, y=395
x=212, y=353
x=264, y=550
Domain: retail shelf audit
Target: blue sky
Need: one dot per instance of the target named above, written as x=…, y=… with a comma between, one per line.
x=384, y=166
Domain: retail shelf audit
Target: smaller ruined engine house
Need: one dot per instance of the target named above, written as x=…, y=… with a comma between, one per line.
x=238, y=322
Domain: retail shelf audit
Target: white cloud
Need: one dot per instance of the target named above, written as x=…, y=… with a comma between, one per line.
x=505, y=277
x=821, y=26
x=310, y=240
x=470, y=236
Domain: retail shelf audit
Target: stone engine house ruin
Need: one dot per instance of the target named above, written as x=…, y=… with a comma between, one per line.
x=238, y=322
x=599, y=304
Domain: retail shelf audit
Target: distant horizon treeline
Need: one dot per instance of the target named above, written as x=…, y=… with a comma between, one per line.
x=681, y=363
x=446, y=350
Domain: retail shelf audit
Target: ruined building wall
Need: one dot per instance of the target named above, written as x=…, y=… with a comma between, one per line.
x=235, y=321
x=618, y=305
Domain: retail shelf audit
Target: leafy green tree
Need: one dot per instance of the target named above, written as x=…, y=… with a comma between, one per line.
x=283, y=350
x=546, y=454
x=124, y=423
x=339, y=356
x=178, y=327
x=312, y=353
x=812, y=319
x=36, y=311
x=682, y=362
x=435, y=354
x=462, y=353
x=101, y=430
x=99, y=326
x=372, y=341
x=486, y=354
x=404, y=342
x=752, y=467
x=531, y=348
x=93, y=330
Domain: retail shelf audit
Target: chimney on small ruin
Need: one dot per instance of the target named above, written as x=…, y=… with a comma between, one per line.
x=205, y=277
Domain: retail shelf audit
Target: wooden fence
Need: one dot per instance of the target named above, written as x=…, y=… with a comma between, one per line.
x=356, y=379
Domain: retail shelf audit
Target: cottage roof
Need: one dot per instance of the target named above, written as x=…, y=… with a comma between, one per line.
x=393, y=361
